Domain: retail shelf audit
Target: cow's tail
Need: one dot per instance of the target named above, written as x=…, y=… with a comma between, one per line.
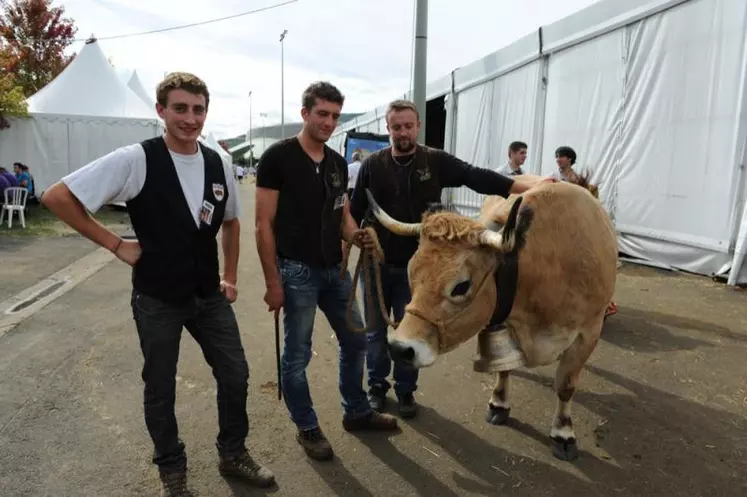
x=516, y=228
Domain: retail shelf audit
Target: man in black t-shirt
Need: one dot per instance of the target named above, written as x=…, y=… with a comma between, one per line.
x=302, y=213
x=405, y=179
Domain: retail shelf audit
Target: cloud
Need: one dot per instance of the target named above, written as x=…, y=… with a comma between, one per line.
x=363, y=47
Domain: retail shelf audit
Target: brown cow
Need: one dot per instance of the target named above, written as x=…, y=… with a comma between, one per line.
x=567, y=251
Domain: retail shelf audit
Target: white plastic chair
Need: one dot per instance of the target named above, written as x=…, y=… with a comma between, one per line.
x=15, y=201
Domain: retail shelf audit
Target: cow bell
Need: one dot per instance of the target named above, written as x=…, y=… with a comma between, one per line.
x=497, y=351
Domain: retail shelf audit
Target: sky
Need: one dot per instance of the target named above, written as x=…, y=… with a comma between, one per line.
x=364, y=47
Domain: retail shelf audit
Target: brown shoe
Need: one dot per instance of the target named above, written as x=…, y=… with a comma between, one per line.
x=375, y=421
x=247, y=469
x=315, y=444
x=174, y=484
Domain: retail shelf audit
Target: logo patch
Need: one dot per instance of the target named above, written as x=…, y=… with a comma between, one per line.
x=335, y=179
x=218, y=191
x=423, y=174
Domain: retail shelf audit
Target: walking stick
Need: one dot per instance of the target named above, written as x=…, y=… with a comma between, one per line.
x=277, y=352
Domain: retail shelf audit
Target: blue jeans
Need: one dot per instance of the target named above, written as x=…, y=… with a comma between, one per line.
x=307, y=287
x=396, y=290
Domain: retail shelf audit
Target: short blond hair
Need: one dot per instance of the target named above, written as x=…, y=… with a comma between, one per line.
x=184, y=81
x=400, y=105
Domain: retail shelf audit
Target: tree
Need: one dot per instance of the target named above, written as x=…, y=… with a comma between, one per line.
x=33, y=39
x=12, y=99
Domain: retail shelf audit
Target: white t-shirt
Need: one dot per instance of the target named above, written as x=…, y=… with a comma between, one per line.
x=120, y=175
x=506, y=169
x=353, y=169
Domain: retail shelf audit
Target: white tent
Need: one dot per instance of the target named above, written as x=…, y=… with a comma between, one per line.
x=211, y=142
x=650, y=94
x=136, y=85
x=84, y=113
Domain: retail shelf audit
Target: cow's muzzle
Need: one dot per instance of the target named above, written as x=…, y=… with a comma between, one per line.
x=412, y=352
x=401, y=352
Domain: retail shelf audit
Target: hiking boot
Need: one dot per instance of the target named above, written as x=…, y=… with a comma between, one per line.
x=315, y=444
x=377, y=399
x=407, y=406
x=174, y=484
x=374, y=421
x=246, y=468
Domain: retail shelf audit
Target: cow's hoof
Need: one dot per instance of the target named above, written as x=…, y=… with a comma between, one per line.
x=497, y=415
x=565, y=448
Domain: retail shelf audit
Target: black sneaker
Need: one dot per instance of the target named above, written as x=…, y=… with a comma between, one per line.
x=315, y=444
x=377, y=399
x=174, y=484
x=407, y=406
x=247, y=469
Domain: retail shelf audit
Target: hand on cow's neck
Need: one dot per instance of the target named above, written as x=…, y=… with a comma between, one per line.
x=313, y=148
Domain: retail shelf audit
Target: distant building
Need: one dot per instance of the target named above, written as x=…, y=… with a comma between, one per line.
x=263, y=137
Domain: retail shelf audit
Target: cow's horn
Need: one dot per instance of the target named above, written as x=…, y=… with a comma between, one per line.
x=491, y=239
x=403, y=229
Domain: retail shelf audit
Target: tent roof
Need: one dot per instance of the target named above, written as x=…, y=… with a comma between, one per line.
x=89, y=86
x=136, y=85
x=211, y=142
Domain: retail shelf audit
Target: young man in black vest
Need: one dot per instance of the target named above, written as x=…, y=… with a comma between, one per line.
x=302, y=213
x=179, y=195
x=405, y=179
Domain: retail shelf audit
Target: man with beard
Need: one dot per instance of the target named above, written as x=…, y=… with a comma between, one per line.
x=405, y=179
x=179, y=195
x=302, y=213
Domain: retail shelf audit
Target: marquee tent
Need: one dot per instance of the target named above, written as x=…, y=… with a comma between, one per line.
x=211, y=142
x=84, y=113
x=136, y=85
x=650, y=94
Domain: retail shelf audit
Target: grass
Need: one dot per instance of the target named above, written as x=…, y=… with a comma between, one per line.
x=41, y=222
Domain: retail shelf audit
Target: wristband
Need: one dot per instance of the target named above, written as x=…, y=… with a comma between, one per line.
x=119, y=243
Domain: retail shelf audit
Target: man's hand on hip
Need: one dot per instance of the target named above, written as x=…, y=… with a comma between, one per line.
x=128, y=251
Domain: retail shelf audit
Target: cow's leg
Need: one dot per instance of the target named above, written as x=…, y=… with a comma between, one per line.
x=566, y=378
x=498, y=407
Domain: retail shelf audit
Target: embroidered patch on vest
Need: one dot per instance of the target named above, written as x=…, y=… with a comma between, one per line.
x=218, y=191
x=335, y=179
x=423, y=174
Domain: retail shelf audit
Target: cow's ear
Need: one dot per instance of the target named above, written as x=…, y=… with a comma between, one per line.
x=515, y=231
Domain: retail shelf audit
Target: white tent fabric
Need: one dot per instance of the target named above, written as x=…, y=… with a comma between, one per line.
x=212, y=142
x=136, y=85
x=652, y=95
x=84, y=113
x=89, y=86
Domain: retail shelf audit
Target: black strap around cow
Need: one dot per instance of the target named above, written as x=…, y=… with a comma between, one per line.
x=507, y=272
x=506, y=279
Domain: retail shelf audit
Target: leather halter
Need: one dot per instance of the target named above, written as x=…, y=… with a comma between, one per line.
x=505, y=277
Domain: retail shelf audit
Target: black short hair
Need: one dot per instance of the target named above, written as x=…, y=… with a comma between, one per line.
x=566, y=151
x=515, y=147
x=324, y=91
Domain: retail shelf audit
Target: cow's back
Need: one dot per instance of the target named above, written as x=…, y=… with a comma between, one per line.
x=567, y=268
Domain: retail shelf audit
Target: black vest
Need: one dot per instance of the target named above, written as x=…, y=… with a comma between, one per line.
x=179, y=260
x=423, y=189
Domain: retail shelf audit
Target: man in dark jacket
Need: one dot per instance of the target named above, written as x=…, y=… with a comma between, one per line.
x=405, y=179
x=179, y=195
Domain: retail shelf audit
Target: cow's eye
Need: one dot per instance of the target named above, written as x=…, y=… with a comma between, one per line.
x=461, y=288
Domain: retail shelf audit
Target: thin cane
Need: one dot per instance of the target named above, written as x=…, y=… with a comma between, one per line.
x=277, y=351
